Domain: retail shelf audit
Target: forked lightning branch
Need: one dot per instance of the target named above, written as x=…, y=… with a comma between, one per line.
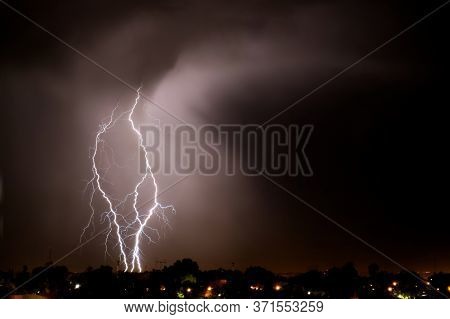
x=126, y=230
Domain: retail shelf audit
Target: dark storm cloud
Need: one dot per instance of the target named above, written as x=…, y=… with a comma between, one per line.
x=227, y=63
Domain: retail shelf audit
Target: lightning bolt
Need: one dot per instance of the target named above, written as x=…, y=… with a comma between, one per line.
x=128, y=233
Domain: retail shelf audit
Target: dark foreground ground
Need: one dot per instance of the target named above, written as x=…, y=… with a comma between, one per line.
x=184, y=279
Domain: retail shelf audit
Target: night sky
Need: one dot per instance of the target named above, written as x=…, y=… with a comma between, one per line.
x=378, y=150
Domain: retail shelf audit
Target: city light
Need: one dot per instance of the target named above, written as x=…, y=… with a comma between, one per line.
x=208, y=292
x=394, y=283
x=390, y=289
x=188, y=289
x=77, y=286
x=180, y=295
x=277, y=287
